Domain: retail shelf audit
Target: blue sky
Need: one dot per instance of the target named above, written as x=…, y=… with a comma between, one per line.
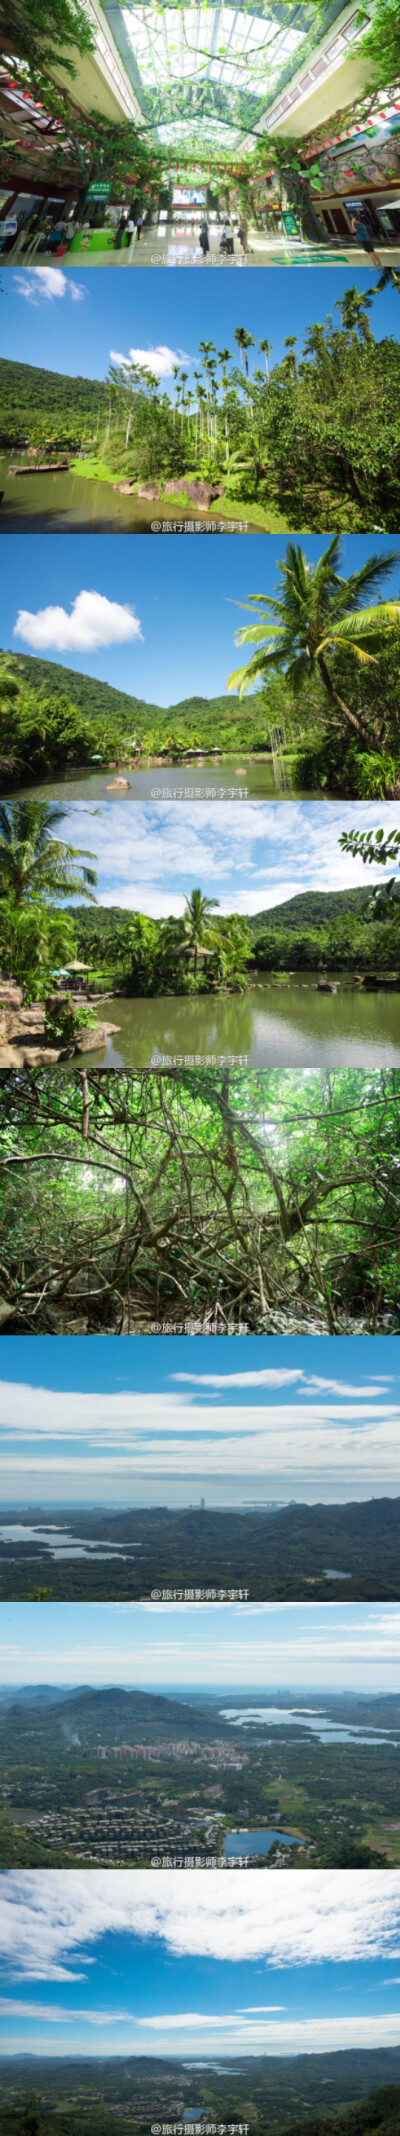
x=184, y=604
x=87, y=1423
x=149, y=855
x=220, y=1647
x=175, y=311
x=121, y=1962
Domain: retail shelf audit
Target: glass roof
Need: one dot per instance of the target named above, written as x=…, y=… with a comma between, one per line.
x=206, y=71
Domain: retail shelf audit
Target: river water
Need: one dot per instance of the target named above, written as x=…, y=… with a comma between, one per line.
x=268, y=1027
x=71, y=503
x=326, y=1730
x=58, y=1544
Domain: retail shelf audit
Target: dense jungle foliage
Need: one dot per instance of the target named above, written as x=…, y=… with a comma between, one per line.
x=57, y=720
x=318, y=439
x=130, y=1201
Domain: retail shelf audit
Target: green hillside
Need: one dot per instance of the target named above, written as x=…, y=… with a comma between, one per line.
x=312, y=908
x=25, y=387
x=51, y=679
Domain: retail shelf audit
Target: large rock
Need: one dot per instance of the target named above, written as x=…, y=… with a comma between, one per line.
x=34, y=1056
x=148, y=489
x=90, y=1040
x=203, y=493
x=125, y=489
x=10, y=994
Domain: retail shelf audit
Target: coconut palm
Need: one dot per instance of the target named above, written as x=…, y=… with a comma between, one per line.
x=33, y=864
x=317, y=613
x=190, y=935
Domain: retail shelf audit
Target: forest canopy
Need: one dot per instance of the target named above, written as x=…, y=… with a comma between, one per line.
x=136, y=1201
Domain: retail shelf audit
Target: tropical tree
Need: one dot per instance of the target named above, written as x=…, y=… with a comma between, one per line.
x=377, y=847
x=33, y=942
x=35, y=866
x=194, y=929
x=265, y=348
x=45, y=31
x=245, y=342
x=318, y=612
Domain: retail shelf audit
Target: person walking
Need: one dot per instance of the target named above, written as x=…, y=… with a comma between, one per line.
x=362, y=231
x=242, y=233
x=139, y=228
x=204, y=241
x=229, y=244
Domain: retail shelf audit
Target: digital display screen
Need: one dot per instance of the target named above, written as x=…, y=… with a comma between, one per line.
x=188, y=200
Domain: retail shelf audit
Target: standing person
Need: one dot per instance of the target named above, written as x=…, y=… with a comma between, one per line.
x=204, y=241
x=242, y=233
x=121, y=230
x=363, y=232
x=229, y=244
x=139, y=228
x=130, y=227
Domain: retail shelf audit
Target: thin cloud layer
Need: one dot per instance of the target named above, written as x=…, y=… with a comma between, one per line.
x=93, y=621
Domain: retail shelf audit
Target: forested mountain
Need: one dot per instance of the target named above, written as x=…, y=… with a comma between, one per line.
x=52, y=679
x=25, y=387
x=311, y=908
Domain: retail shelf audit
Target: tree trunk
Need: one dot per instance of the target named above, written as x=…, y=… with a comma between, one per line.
x=335, y=699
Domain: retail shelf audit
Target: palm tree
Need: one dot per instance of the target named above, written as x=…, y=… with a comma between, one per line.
x=317, y=613
x=33, y=864
x=193, y=929
x=265, y=348
x=354, y=314
x=244, y=342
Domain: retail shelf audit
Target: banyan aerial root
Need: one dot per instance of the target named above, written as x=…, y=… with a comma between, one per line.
x=268, y=1201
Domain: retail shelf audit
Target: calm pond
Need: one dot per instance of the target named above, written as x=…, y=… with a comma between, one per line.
x=223, y=778
x=70, y=502
x=237, y=1843
x=265, y=1028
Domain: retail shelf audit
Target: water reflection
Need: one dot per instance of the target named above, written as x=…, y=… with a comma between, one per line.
x=265, y=1028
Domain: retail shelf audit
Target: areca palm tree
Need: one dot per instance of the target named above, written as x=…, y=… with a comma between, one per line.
x=317, y=613
x=34, y=865
x=244, y=341
x=265, y=348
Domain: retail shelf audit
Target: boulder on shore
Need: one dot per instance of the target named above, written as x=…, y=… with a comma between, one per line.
x=125, y=489
x=96, y=1035
x=148, y=489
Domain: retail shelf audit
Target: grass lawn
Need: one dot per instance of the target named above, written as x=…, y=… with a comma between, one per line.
x=258, y=515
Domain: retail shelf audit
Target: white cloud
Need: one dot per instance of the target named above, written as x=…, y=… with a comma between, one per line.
x=48, y=282
x=55, y=2015
x=160, y=360
x=49, y=1923
x=93, y=621
x=271, y=1376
